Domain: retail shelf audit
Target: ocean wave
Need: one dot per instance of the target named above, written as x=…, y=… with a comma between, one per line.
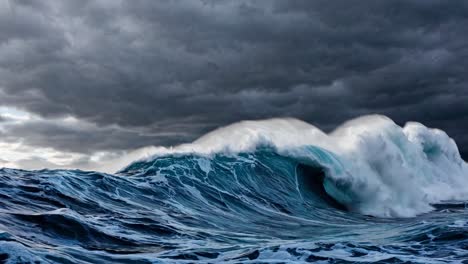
x=267, y=191
x=372, y=165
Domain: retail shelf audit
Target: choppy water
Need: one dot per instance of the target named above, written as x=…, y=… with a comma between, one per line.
x=256, y=206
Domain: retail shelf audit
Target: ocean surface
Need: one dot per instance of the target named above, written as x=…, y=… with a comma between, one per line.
x=272, y=191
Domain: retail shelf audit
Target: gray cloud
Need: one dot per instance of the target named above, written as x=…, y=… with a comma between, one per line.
x=86, y=138
x=147, y=72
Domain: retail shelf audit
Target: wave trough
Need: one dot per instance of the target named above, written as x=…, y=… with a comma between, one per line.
x=269, y=191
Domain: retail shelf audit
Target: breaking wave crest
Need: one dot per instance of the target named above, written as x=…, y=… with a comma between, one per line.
x=370, y=164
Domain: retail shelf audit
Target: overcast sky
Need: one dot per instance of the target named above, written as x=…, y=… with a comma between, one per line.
x=86, y=81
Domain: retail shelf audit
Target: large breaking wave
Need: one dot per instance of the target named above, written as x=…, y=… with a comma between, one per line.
x=371, y=165
x=273, y=191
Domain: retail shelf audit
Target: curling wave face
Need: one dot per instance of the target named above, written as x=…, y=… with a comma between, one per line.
x=257, y=191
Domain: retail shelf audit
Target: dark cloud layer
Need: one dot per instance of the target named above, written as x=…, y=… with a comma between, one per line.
x=163, y=72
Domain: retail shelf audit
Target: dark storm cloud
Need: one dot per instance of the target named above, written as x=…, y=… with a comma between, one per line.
x=162, y=68
x=85, y=138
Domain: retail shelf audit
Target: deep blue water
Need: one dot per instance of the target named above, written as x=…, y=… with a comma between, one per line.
x=257, y=207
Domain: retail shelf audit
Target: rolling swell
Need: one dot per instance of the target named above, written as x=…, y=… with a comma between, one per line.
x=266, y=204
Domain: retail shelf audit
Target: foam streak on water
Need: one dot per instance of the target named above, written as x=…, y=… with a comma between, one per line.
x=270, y=191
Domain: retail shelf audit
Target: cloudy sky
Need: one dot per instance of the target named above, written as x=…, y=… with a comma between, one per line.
x=82, y=82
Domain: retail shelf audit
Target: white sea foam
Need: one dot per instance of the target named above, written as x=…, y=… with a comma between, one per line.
x=387, y=170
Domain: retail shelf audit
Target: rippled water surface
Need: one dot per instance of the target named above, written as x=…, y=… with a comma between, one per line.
x=257, y=207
